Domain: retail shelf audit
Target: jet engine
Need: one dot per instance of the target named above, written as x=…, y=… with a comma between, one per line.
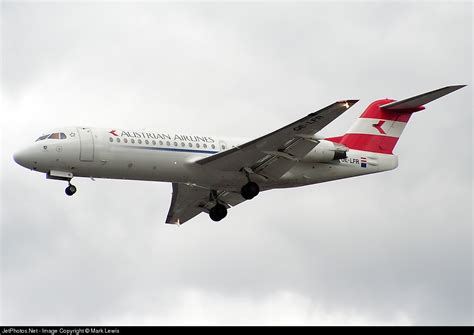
x=325, y=152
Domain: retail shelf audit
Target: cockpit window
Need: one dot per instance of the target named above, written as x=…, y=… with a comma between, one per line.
x=57, y=136
x=42, y=137
x=54, y=136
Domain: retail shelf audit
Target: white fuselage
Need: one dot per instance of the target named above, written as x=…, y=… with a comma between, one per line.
x=170, y=157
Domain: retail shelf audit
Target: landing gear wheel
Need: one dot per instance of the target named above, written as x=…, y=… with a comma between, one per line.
x=71, y=189
x=249, y=190
x=218, y=212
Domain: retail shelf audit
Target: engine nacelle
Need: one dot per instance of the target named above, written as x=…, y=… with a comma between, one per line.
x=325, y=152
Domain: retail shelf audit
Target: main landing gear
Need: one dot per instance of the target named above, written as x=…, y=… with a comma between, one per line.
x=249, y=190
x=71, y=189
x=218, y=212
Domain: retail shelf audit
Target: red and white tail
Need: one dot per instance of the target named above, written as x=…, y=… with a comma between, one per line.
x=381, y=124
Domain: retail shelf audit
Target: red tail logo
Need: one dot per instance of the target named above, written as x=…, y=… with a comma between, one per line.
x=378, y=126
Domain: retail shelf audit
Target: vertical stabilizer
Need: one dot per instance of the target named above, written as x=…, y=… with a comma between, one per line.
x=380, y=126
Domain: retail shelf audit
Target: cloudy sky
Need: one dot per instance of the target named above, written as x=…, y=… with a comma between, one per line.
x=392, y=248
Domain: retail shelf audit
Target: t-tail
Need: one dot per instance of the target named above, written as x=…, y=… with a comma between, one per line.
x=381, y=124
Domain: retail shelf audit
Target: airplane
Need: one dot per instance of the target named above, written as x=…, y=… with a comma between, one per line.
x=210, y=174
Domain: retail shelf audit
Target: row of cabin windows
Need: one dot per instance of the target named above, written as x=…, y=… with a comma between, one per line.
x=168, y=143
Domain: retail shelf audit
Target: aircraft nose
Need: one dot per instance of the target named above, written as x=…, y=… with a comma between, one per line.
x=21, y=157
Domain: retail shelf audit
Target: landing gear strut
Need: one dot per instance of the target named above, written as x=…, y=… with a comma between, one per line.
x=218, y=212
x=71, y=189
x=249, y=190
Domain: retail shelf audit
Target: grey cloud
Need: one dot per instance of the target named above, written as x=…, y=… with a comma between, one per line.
x=389, y=248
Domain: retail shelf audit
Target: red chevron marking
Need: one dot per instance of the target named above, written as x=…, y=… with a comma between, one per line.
x=378, y=126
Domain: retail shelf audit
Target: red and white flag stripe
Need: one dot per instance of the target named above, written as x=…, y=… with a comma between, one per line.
x=376, y=130
x=377, y=127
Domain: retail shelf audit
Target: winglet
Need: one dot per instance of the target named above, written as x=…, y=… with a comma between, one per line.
x=347, y=103
x=416, y=103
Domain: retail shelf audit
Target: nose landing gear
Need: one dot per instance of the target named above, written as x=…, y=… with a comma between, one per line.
x=64, y=176
x=71, y=189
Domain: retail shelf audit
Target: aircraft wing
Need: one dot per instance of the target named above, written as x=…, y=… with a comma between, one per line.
x=274, y=154
x=188, y=201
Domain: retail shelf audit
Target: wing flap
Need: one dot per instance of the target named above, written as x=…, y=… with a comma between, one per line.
x=275, y=166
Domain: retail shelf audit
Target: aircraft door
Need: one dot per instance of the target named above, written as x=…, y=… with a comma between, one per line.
x=87, y=144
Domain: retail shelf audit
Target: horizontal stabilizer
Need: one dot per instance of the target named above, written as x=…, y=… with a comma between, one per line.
x=418, y=101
